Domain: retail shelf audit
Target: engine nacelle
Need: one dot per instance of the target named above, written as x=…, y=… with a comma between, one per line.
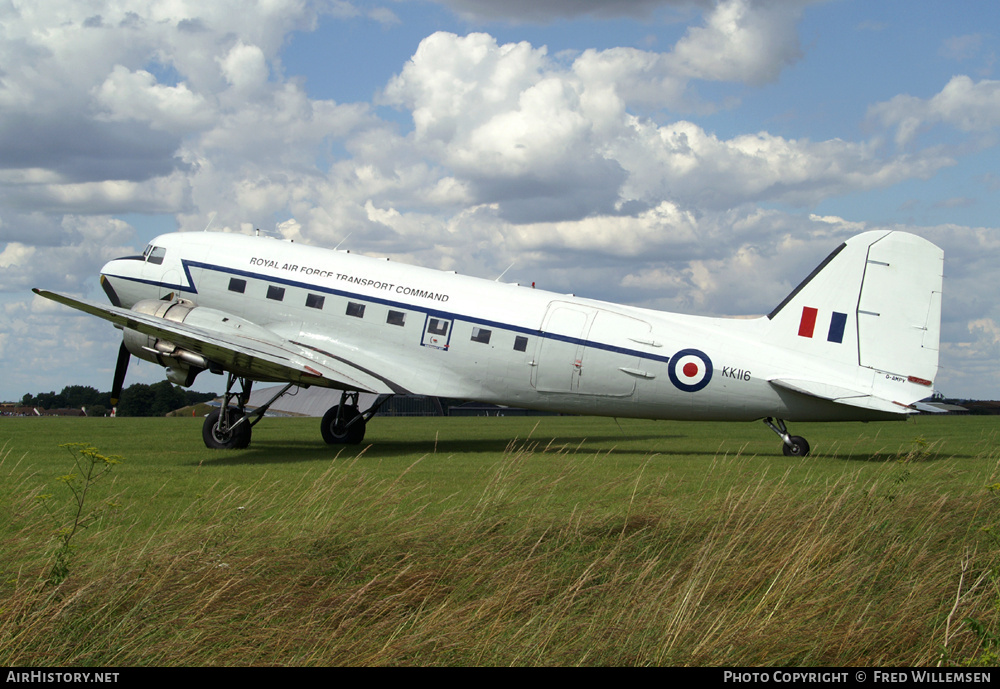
x=182, y=365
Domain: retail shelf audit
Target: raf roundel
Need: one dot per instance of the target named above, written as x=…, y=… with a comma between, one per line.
x=690, y=370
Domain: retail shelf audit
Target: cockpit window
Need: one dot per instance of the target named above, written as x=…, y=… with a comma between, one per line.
x=154, y=254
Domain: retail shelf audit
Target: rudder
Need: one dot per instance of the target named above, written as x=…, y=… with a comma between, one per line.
x=899, y=312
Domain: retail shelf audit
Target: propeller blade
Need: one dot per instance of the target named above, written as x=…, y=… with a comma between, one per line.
x=116, y=389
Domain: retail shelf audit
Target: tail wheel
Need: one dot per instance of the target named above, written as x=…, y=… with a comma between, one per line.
x=229, y=436
x=343, y=426
x=791, y=445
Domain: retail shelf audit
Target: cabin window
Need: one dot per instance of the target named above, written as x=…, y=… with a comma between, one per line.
x=237, y=285
x=437, y=327
x=481, y=335
x=396, y=318
x=276, y=293
x=315, y=301
x=355, y=309
x=520, y=344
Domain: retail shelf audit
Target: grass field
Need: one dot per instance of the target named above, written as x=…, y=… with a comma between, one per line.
x=498, y=541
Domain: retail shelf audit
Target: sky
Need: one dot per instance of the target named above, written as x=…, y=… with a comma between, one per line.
x=696, y=156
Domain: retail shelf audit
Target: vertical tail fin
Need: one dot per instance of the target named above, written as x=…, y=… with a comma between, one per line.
x=873, y=304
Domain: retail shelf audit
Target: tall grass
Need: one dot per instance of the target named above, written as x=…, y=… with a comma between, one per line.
x=735, y=566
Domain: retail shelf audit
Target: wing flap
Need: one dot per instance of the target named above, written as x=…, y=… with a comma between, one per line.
x=237, y=346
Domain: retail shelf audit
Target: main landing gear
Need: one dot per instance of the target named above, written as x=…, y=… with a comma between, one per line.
x=344, y=424
x=228, y=428
x=792, y=445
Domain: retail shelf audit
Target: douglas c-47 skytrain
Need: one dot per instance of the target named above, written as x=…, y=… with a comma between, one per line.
x=857, y=340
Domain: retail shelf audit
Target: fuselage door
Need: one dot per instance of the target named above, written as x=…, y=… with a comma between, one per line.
x=588, y=351
x=611, y=350
x=560, y=349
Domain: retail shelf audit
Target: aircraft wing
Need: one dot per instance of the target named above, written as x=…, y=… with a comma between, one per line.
x=841, y=395
x=239, y=346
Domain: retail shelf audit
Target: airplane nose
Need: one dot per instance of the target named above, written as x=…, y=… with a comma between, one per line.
x=109, y=288
x=110, y=274
x=116, y=264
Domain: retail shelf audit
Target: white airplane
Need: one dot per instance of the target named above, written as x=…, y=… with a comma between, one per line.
x=856, y=340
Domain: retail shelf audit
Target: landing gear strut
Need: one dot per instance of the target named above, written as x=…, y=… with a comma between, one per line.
x=344, y=424
x=228, y=428
x=792, y=445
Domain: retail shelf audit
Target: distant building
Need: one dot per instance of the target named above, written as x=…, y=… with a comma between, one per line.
x=937, y=404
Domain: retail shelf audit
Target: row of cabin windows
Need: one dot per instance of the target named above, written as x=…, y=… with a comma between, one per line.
x=434, y=325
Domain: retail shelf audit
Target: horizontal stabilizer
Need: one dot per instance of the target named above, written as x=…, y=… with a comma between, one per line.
x=841, y=395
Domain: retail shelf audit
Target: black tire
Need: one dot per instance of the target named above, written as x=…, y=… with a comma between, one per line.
x=343, y=432
x=798, y=448
x=231, y=439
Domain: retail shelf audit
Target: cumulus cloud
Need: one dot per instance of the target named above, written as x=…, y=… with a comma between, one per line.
x=163, y=110
x=508, y=122
x=245, y=67
x=970, y=363
x=987, y=331
x=48, y=346
x=16, y=255
x=742, y=41
x=100, y=99
x=85, y=243
x=162, y=194
x=529, y=10
x=681, y=160
x=645, y=234
x=549, y=142
x=963, y=103
x=137, y=96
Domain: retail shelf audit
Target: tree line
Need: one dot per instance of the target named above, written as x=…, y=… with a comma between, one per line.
x=138, y=399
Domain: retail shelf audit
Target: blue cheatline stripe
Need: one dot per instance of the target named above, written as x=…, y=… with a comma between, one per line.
x=837, y=324
x=449, y=315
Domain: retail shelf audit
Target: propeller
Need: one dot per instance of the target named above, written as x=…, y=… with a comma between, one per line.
x=116, y=388
x=123, y=354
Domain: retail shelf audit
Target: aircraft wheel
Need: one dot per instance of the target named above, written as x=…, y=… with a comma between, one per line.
x=230, y=439
x=798, y=448
x=339, y=433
